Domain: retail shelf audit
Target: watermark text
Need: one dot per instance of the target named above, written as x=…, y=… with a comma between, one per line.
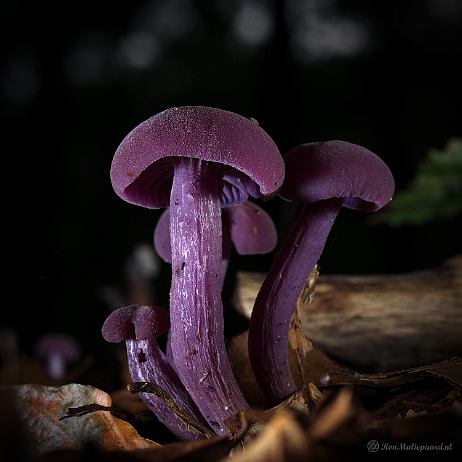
x=375, y=446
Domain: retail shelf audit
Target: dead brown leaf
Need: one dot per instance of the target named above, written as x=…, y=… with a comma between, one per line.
x=342, y=429
x=303, y=401
x=192, y=425
x=330, y=418
x=131, y=403
x=450, y=370
x=299, y=348
x=40, y=408
x=283, y=440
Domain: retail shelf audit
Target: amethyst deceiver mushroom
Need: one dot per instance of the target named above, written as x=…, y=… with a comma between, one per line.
x=325, y=176
x=250, y=229
x=57, y=350
x=195, y=160
x=246, y=226
x=140, y=326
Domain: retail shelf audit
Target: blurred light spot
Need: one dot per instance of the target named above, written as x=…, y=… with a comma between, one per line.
x=111, y=296
x=146, y=260
x=138, y=49
x=323, y=39
x=168, y=19
x=253, y=23
x=319, y=31
x=21, y=82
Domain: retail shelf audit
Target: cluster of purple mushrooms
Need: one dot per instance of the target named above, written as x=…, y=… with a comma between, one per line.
x=196, y=161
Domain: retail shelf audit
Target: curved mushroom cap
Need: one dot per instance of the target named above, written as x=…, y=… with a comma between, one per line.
x=318, y=171
x=251, y=229
x=135, y=322
x=142, y=167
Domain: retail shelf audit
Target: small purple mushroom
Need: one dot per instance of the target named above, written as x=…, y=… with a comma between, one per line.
x=197, y=159
x=246, y=225
x=325, y=176
x=57, y=350
x=251, y=230
x=140, y=326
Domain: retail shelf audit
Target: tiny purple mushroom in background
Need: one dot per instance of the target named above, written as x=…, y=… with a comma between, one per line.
x=325, y=176
x=246, y=225
x=57, y=350
x=195, y=160
x=139, y=326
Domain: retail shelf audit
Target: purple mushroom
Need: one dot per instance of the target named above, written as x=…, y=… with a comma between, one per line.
x=57, y=350
x=250, y=229
x=325, y=176
x=140, y=326
x=246, y=225
x=197, y=159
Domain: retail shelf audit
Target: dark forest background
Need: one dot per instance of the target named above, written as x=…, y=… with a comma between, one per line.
x=76, y=77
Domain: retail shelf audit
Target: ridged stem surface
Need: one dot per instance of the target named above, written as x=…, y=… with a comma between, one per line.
x=276, y=300
x=196, y=310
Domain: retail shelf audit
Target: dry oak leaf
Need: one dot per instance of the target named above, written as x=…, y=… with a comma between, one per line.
x=254, y=423
x=284, y=439
x=40, y=408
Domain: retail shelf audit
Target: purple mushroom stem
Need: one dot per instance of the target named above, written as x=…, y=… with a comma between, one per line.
x=278, y=296
x=197, y=159
x=246, y=226
x=139, y=326
x=326, y=176
x=197, y=337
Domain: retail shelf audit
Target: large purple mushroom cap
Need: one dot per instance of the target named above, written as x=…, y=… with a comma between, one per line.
x=325, y=176
x=142, y=167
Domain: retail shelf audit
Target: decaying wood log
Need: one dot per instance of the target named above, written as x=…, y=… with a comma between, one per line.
x=382, y=322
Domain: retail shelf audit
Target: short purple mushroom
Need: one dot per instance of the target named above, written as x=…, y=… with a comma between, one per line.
x=140, y=326
x=251, y=230
x=57, y=350
x=197, y=159
x=325, y=176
